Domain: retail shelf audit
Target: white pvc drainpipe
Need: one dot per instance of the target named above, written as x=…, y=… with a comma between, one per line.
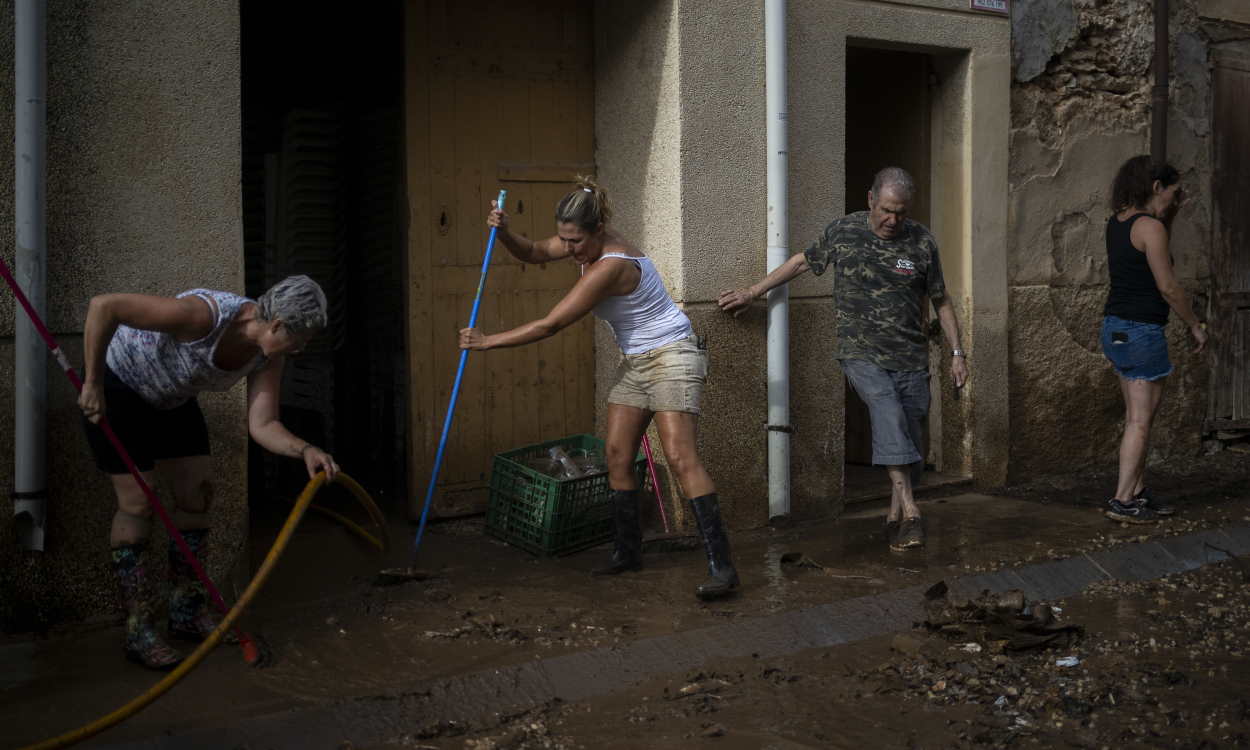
x=778, y=252
x=30, y=362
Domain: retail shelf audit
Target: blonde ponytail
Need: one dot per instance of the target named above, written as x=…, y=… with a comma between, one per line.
x=586, y=206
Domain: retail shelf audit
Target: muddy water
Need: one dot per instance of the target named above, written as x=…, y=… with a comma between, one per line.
x=491, y=604
x=1163, y=664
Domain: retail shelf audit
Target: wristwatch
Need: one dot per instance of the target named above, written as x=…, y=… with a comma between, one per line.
x=958, y=353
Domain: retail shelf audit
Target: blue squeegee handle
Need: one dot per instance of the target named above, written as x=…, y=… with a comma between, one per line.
x=455, y=389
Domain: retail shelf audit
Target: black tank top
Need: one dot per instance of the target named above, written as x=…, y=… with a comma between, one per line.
x=1134, y=294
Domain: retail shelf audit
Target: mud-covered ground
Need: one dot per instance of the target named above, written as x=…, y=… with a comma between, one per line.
x=1161, y=664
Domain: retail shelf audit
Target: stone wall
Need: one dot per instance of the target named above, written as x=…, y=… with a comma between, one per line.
x=1080, y=107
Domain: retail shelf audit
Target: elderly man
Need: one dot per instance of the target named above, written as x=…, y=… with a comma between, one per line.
x=884, y=265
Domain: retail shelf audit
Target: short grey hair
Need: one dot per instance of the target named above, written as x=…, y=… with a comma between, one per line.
x=297, y=301
x=897, y=178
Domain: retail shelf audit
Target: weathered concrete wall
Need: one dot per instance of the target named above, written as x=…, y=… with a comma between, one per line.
x=1080, y=107
x=670, y=68
x=143, y=196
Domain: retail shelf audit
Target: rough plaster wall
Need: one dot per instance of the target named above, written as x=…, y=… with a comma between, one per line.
x=143, y=155
x=637, y=140
x=724, y=163
x=638, y=127
x=1073, y=124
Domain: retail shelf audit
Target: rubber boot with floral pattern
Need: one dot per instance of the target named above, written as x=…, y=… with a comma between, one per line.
x=143, y=643
x=191, y=618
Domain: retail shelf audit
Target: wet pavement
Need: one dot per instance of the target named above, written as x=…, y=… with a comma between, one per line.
x=497, y=638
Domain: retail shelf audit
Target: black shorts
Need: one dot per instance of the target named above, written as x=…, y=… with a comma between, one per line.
x=148, y=434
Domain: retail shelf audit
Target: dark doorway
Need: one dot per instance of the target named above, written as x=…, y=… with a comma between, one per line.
x=322, y=195
x=887, y=124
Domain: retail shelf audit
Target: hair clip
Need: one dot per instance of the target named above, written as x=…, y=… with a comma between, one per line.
x=588, y=190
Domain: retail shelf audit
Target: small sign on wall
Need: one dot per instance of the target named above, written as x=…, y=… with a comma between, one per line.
x=991, y=6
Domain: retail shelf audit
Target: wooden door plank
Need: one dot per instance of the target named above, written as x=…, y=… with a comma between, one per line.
x=546, y=139
x=585, y=131
x=419, y=296
x=470, y=96
x=550, y=389
x=525, y=376
x=511, y=100
x=468, y=408
x=585, y=419
x=545, y=27
x=578, y=34
x=580, y=376
x=1229, y=399
x=438, y=26
x=443, y=359
x=443, y=125
x=477, y=430
x=502, y=397
x=474, y=430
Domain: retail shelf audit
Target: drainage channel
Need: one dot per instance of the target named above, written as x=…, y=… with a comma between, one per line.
x=481, y=698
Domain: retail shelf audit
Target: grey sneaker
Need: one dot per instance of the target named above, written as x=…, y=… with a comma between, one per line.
x=1158, y=506
x=1134, y=512
x=910, y=535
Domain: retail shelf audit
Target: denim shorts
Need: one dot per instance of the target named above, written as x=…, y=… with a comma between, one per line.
x=898, y=403
x=667, y=378
x=1137, y=351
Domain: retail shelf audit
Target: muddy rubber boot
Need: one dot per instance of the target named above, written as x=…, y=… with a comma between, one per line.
x=190, y=616
x=627, y=544
x=722, y=576
x=143, y=643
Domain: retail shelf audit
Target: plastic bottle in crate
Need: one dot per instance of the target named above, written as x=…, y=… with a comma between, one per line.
x=560, y=456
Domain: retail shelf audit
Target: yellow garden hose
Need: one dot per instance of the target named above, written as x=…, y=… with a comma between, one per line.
x=375, y=513
x=350, y=525
x=193, y=660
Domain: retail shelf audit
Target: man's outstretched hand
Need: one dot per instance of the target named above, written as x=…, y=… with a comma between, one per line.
x=734, y=301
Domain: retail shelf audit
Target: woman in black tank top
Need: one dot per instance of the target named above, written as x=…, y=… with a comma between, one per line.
x=1143, y=290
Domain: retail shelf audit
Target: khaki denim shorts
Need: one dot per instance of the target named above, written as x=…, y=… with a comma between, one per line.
x=667, y=378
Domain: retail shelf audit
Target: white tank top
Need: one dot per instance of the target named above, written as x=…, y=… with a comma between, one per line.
x=646, y=318
x=166, y=372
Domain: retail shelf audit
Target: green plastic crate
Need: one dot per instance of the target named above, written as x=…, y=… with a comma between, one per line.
x=545, y=515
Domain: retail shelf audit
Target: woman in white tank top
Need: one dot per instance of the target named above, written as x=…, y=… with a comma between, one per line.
x=661, y=375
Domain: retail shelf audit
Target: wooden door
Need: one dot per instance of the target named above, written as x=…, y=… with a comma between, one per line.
x=1229, y=405
x=498, y=95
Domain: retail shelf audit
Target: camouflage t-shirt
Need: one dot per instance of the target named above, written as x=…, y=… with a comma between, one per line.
x=879, y=287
